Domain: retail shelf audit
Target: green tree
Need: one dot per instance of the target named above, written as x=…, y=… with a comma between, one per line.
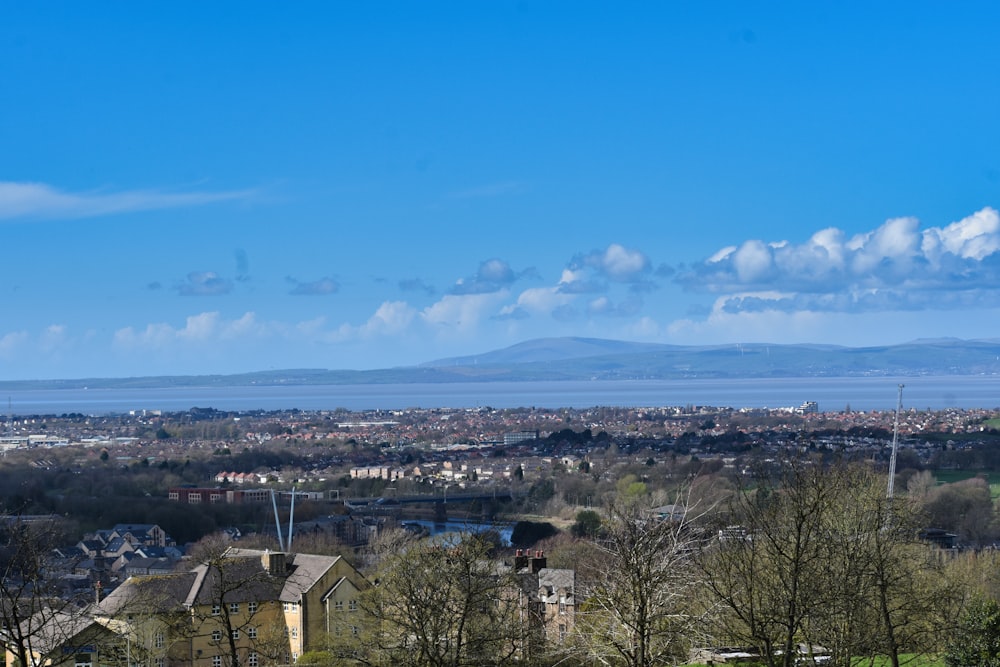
x=976, y=642
x=588, y=524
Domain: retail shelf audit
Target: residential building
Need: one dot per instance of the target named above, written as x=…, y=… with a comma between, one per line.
x=267, y=607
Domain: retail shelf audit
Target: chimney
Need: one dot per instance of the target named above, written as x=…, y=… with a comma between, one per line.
x=520, y=560
x=538, y=562
x=274, y=563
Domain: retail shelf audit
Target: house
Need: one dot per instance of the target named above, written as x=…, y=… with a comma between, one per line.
x=547, y=596
x=266, y=606
x=144, y=534
x=63, y=639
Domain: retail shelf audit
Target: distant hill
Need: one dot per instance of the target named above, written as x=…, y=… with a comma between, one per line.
x=599, y=359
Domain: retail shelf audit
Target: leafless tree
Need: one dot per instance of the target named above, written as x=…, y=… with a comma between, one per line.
x=30, y=599
x=642, y=607
x=237, y=599
x=437, y=604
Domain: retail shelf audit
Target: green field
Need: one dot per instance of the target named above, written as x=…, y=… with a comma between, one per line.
x=905, y=660
x=951, y=476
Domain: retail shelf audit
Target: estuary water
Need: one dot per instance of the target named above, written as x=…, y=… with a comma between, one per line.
x=832, y=394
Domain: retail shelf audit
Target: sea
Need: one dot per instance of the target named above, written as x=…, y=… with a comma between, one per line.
x=831, y=395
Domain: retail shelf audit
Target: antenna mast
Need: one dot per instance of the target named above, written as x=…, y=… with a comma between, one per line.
x=895, y=442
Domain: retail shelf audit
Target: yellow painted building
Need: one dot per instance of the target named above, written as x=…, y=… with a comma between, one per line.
x=246, y=608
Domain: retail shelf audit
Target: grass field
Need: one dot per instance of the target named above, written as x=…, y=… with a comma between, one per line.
x=951, y=476
x=904, y=661
x=992, y=423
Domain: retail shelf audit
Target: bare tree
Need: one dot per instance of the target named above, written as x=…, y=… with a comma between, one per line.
x=437, y=604
x=235, y=600
x=641, y=609
x=763, y=570
x=31, y=602
x=823, y=558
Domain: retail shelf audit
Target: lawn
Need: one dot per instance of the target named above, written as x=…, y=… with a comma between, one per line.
x=951, y=476
x=905, y=660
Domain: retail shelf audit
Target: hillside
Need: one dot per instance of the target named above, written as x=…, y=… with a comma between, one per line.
x=598, y=359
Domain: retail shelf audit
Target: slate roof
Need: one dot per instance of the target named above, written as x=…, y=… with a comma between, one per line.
x=155, y=593
x=240, y=574
x=303, y=571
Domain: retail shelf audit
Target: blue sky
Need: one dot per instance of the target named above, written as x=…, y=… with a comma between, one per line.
x=191, y=188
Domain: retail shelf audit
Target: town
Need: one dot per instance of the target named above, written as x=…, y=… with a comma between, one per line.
x=186, y=508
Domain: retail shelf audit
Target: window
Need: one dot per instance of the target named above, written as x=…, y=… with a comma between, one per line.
x=252, y=633
x=160, y=662
x=562, y=632
x=253, y=660
x=216, y=635
x=236, y=633
x=291, y=607
x=158, y=640
x=252, y=607
x=352, y=605
x=216, y=661
x=216, y=609
x=354, y=630
x=83, y=660
x=234, y=607
x=338, y=605
x=294, y=632
x=562, y=608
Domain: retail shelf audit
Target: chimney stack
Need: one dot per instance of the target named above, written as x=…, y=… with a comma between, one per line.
x=520, y=560
x=538, y=562
x=274, y=563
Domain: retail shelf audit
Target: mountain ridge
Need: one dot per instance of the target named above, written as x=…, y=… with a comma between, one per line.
x=578, y=358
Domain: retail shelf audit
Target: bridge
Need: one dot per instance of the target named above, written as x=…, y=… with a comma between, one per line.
x=394, y=504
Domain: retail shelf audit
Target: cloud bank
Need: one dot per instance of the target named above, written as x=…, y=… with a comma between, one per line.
x=897, y=266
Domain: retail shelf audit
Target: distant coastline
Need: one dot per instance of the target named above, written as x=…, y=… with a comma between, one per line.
x=832, y=395
x=585, y=359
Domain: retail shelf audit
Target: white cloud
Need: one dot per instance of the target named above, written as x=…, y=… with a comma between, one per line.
x=975, y=237
x=623, y=264
x=42, y=201
x=203, y=328
x=493, y=275
x=539, y=301
x=897, y=240
x=616, y=262
x=392, y=317
x=462, y=312
x=895, y=266
x=752, y=261
x=721, y=254
x=12, y=343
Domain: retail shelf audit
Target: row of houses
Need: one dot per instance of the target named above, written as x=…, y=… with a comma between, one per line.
x=248, y=608
x=261, y=607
